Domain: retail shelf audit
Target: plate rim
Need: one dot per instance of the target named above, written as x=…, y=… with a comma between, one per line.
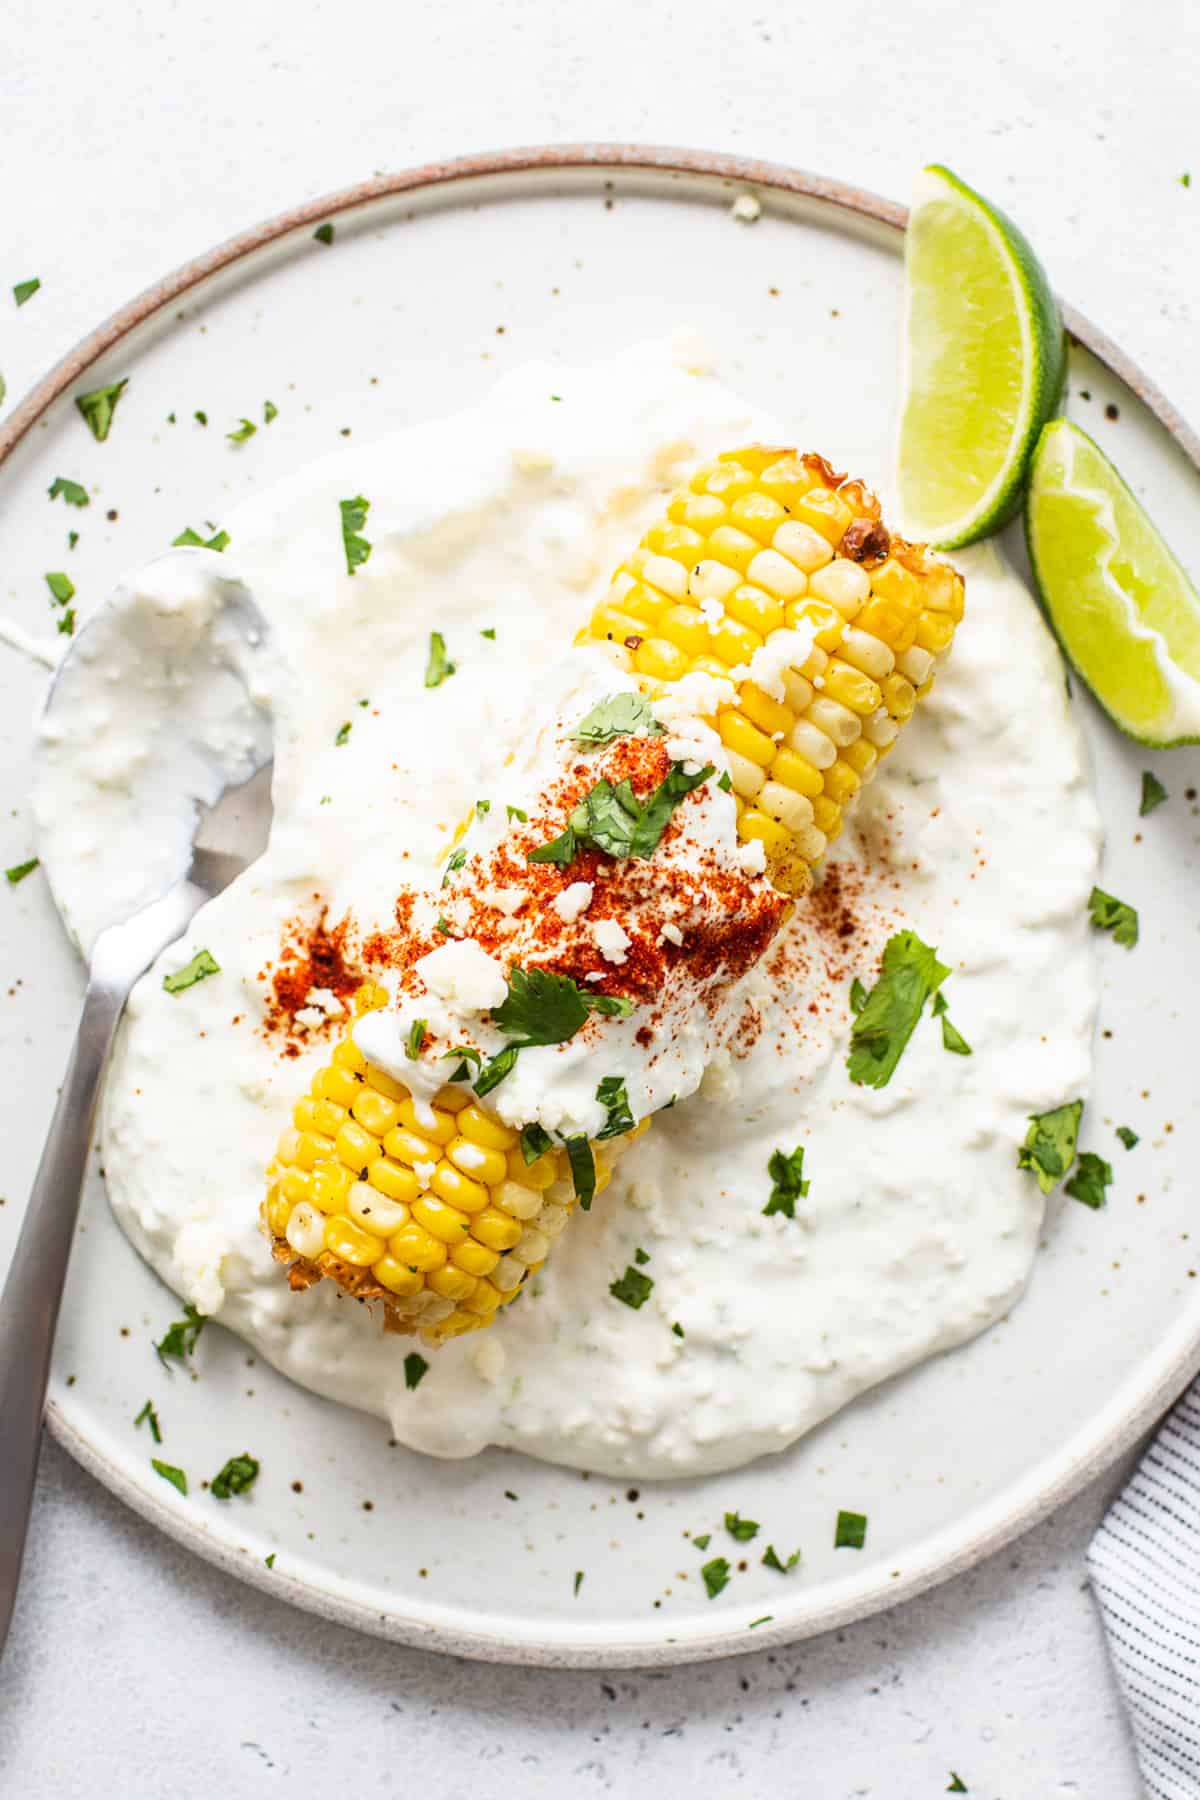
x=1132, y=1410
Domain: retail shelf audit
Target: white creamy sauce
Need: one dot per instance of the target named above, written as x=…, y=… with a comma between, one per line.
x=917, y=1231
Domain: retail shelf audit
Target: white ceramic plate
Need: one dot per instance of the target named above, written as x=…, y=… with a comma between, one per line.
x=435, y=283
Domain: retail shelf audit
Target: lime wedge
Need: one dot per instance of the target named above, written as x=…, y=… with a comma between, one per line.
x=1124, y=610
x=983, y=363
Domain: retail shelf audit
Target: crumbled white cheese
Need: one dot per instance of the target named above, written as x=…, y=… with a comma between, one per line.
x=712, y=611
x=506, y=900
x=327, y=1000
x=746, y=209
x=612, y=940
x=672, y=934
x=783, y=650
x=572, y=901
x=752, y=856
x=424, y=1173
x=463, y=973
x=594, y=975
x=696, y=696
x=309, y=1018
x=490, y=1358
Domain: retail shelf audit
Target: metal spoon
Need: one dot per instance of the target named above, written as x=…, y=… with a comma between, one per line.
x=228, y=837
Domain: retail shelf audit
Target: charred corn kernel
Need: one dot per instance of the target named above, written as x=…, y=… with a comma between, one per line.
x=754, y=607
x=660, y=659
x=454, y=1283
x=841, y=782
x=778, y=574
x=393, y=1180
x=474, y=1257
x=488, y=1166
x=838, y=723
x=345, y=1239
x=769, y=715
x=306, y=1231
x=735, y=643
x=797, y=772
x=866, y=653
x=738, y=734
x=850, y=688
x=417, y=1248
x=844, y=584
x=375, y=1112
x=433, y=1206
x=398, y=1277
x=785, y=805
x=686, y=628
x=861, y=756
x=899, y=696
x=495, y=1229
x=747, y=777
x=441, y=1220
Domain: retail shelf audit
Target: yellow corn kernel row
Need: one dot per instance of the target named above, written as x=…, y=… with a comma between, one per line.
x=749, y=547
x=430, y=1208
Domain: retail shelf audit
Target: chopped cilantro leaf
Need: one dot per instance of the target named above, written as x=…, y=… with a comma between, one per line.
x=71, y=491
x=559, y=850
x=62, y=588
x=1110, y=914
x=858, y=996
x=620, y=715
x=851, y=1531
x=239, y=1473
x=416, y=1037
x=19, y=871
x=270, y=1560
x=909, y=973
x=517, y=813
x=192, y=540
x=1153, y=793
x=1049, y=1147
x=542, y=1008
x=614, y=821
x=246, y=428
x=482, y=808
x=179, y=1339
x=677, y=1328
x=202, y=965
x=324, y=233
x=641, y=1258
x=495, y=1070
x=454, y=862
x=1185, y=180
x=702, y=1542
x=439, y=666
x=773, y=1560
x=354, y=517
x=343, y=732
x=578, y=1580
x=583, y=1171
x=1128, y=1136
x=442, y=924
x=66, y=622
x=725, y=782
x=957, y=1784
x=489, y=631
x=468, y=1056
x=201, y=418
x=614, y=1098
x=763, y=1619
x=632, y=1289
x=151, y=1417
x=786, y=1174
x=535, y=1141
x=270, y=411
x=99, y=406
x=1092, y=1175
x=742, y=1530
x=72, y=539
x=415, y=1370
x=25, y=290
x=170, y=1473
x=952, y=1039
x=715, y=1575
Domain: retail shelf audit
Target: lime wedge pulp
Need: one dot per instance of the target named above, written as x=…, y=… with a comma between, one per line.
x=983, y=363
x=1124, y=610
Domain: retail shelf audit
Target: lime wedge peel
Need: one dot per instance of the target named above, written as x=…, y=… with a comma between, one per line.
x=1122, y=606
x=984, y=360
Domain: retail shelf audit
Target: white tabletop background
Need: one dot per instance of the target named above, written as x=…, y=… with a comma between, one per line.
x=136, y=135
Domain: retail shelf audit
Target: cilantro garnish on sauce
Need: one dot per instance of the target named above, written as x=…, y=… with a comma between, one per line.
x=614, y=1098
x=952, y=1039
x=772, y=1560
x=71, y=491
x=788, y=1185
x=238, y=1474
x=1092, y=1176
x=151, y=1418
x=583, y=1174
x=25, y=290
x=620, y=715
x=99, y=406
x=202, y=965
x=909, y=973
x=851, y=1531
x=1153, y=793
x=179, y=1339
x=324, y=233
x=354, y=517
x=170, y=1473
x=535, y=1141
x=1128, y=1136
x=415, y=1370
x=1049, y=1147
x=715, y=1575
x=192, y=540
x=439, y=666
x=742, y=1530
x=62, y=588
x=543, y=1008
x=1110, y=914
x=632, y=1289
x=19, y=871
x=614, y=821
x=246, y=428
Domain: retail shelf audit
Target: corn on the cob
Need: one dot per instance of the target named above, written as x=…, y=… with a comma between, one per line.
x=763, y=540
x=433, y=1209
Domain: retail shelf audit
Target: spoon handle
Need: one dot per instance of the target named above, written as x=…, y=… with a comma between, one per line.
x=29, y=1308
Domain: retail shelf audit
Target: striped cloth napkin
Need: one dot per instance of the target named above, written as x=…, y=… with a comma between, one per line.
x=1144, y=1563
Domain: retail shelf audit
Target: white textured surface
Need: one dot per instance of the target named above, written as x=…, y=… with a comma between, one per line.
x=149, y=133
